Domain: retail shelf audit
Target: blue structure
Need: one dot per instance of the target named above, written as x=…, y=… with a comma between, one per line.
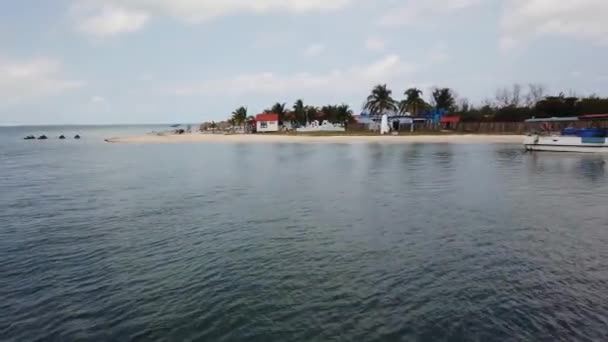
x=434, y=115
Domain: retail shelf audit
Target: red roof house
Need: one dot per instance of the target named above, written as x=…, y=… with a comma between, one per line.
x=267, y=122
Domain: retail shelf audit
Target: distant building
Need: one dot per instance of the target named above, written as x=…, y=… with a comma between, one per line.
x=397, y=122
x=267, y=123
x=449, y=122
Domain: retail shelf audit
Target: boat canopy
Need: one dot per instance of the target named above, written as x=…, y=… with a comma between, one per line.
x=553, y=119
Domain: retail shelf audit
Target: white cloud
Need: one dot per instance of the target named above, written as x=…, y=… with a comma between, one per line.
x=375, y=44
x=98, y=99
x=416, y=12
x=314, y=50
x=528, y=19
x=348, y=80
x=110, y=17
x=109, y=20
x=24, y=80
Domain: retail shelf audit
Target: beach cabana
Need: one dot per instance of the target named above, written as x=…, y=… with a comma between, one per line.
x=267, y=122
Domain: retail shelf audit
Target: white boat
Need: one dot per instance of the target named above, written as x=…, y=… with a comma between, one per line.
x=558, y=143
x=570, y=139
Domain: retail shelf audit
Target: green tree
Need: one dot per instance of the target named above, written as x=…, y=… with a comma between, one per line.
x=413, y=102
x=330, y=113
x=380, y=101
x=299, y=111
x=312, y=113
x=279, y=109
x=344, y=114
x=239, y=116
x=443, y=98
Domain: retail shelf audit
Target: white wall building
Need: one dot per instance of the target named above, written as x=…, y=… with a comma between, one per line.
x=267, y=123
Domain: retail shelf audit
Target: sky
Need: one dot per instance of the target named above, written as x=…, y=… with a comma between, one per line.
x=189, y=61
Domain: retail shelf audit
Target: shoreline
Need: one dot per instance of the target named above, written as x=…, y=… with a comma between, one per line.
x=330, y=139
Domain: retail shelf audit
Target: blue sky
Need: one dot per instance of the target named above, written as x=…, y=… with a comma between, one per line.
x=166, y=61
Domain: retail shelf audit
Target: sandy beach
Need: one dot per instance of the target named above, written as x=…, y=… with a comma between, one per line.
x=345, y=139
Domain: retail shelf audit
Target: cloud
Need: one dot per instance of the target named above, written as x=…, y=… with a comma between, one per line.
x=416, y=12
x=98, y=99
x=524, y=20
x=375, y=44
x=109, y=20
x=24, y=80
x=348, y=80
x=111, y=17
x=314, y=50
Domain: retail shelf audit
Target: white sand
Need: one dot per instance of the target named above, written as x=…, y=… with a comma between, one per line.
x=345, y=139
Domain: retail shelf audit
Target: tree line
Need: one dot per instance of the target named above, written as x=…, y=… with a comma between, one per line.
x=298, y=115
x=508, y=105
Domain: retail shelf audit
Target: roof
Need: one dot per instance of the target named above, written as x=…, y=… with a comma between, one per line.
x=267, y=117
x=450, y=119
x=554, y=119
x=594, y=116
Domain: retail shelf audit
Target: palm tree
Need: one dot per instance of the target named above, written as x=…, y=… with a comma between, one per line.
x=299, y=111
x=329, y=113
x=413, y=101
x=312, y=113
x=344, y=114
x=380, y=101
x=280, y=110
x=444, y=98
x=239, y=116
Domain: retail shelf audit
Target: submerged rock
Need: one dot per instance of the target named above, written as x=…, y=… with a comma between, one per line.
x=30, y=137
x=42, y=137
x=77, y=136
x=62, y=137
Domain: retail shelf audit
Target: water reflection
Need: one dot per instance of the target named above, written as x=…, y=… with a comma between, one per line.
x=589, y=167
x=593, y=169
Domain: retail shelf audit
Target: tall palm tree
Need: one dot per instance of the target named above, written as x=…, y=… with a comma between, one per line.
x=413, y=101
x=239, y=116
x=280, y=110
x=299, y=111
x=444, y=98
x=380, y=101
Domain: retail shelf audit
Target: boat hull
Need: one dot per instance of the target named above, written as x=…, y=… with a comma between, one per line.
x=565, y=144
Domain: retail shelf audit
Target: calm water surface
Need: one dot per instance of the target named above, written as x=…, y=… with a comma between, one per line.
x=302, y=242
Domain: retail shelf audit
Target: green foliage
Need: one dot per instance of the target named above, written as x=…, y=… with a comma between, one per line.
x=413, y=102
x=299, y=113
x=443, y=98
x=279, y=109
x=380, y=101
x=510, y=105
x=239, y=116
x=336, y=113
